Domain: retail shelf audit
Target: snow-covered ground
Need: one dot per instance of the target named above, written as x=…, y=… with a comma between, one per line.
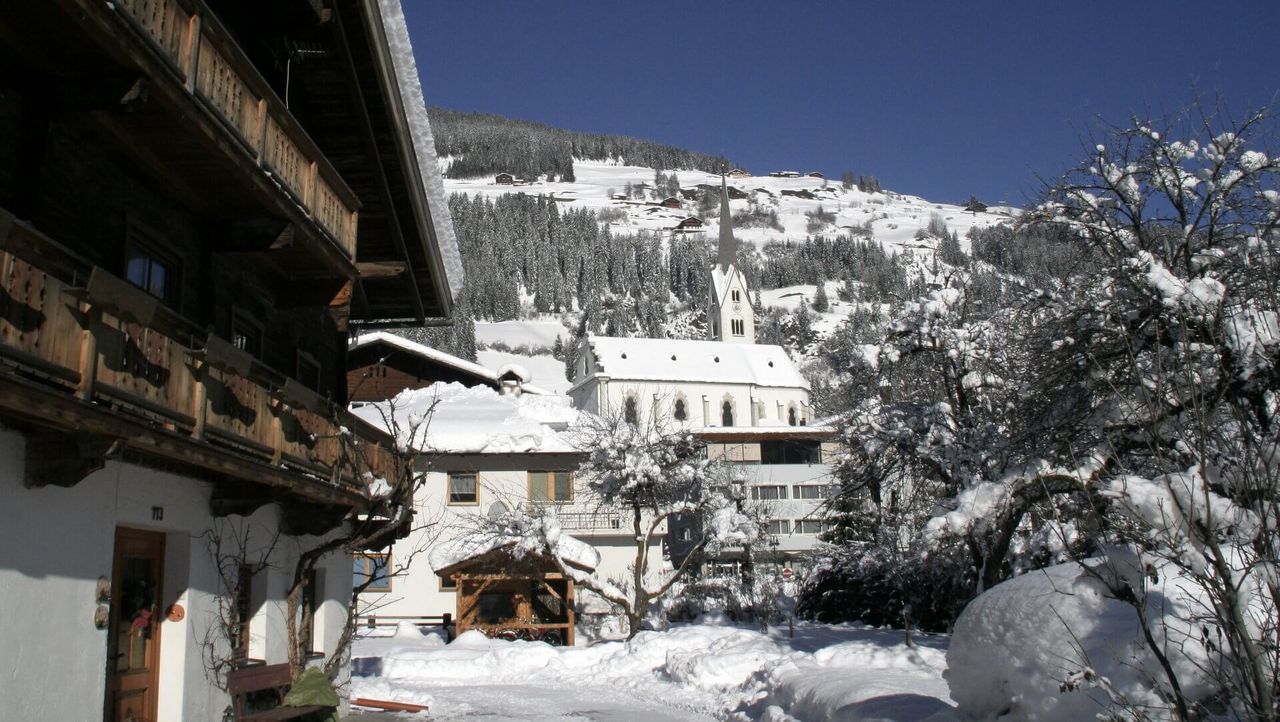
x=894, y=218
x=690, y=672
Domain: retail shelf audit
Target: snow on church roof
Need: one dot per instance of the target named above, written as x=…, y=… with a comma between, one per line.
x=475, y=420
x=659, y=359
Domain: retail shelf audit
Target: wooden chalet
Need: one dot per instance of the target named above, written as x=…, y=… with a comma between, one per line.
x=381, y=365
x=690, y=224
x=670, y=202
x=738, y=173
x=814, y=174
x=504, y=179
x=513, y=598
x=198, y=199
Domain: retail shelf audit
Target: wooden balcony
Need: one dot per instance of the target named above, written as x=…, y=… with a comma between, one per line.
x=92, y=353
x=201, y=56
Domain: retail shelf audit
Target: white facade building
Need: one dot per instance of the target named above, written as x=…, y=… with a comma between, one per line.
x=749, y=403
x=58, y=547
x=486, y=453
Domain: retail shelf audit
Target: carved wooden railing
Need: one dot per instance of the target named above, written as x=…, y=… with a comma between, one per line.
x=110, y=343
x=207, y=61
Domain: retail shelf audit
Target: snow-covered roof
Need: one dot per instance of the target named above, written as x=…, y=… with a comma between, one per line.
x=404, y=344
x=485, y=373
x=424, y=146
x=768, y=428
x=476, y=420
x=447, y=555
x=654, y=359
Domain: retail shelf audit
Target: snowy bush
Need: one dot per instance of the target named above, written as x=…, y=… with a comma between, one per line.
x=1057, y=644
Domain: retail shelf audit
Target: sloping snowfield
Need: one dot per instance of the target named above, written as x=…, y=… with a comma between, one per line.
x=894, y=218
x=690, y=672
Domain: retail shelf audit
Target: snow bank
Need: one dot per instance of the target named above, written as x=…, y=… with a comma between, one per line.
x=735, y=673
x=1055, y=645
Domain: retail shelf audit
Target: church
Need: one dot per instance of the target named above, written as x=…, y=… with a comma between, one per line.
x=725, y=381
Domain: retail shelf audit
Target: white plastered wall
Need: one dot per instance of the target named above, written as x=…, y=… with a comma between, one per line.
x=56, y=543
x=417, y=592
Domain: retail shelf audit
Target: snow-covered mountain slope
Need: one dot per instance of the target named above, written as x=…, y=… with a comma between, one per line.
x=893, y=218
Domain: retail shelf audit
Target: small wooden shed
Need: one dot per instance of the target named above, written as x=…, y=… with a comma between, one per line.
x=506, y=597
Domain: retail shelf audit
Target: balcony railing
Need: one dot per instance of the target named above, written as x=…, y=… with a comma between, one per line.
x=111, y=344
x=581, y=521
x=209, y=64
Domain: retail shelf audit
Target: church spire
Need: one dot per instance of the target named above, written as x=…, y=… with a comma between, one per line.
x=728, y=247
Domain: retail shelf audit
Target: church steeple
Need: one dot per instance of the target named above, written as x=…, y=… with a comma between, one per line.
x=728, y=247
x=729, y=314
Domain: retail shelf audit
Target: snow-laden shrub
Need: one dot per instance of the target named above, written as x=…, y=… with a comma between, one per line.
x=1058, y=644
x=876, y=585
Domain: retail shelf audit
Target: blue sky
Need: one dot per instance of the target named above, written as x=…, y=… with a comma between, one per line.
x=940, y=99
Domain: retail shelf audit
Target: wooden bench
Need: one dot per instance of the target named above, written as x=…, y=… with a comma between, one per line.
x=258, y=692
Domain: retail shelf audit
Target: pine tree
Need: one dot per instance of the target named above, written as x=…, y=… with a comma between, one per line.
x=820, y=301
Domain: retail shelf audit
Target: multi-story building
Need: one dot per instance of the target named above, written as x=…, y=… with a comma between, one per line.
x=482, y=452
x=197, y=199
x=749, y=402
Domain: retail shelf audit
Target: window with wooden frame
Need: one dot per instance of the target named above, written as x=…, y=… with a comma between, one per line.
x=246, y=333
x=376, y=567
x=308, y=370
x=150, y=265
x=464, y=489
x=549, y=487
x=448, y=584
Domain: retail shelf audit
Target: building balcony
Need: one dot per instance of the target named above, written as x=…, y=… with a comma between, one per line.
x=85, y=352
x=202, y=57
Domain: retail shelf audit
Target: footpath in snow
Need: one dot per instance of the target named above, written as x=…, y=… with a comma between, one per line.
x=690, y=672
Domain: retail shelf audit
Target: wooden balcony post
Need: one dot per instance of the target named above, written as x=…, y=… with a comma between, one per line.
x=88, y=351
x=192, y=52
x=199, y=398
x=277, y=432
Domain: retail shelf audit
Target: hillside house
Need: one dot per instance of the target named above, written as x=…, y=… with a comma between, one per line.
x=670, y=202
x=692, y=224
x=738, y=173
x=814, y=174
x=504, y=179
x=784, y=174
x=484, y=454
x=179, y=252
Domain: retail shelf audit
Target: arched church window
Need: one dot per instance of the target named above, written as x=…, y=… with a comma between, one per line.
x=791, y=416
x=629, y=411
x=736, y=296
x=726, y=414
x=679, y=411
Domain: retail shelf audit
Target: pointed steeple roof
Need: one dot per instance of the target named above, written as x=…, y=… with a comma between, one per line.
x=728, y=247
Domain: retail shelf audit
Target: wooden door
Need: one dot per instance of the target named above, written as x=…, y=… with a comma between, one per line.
x=133, y=637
